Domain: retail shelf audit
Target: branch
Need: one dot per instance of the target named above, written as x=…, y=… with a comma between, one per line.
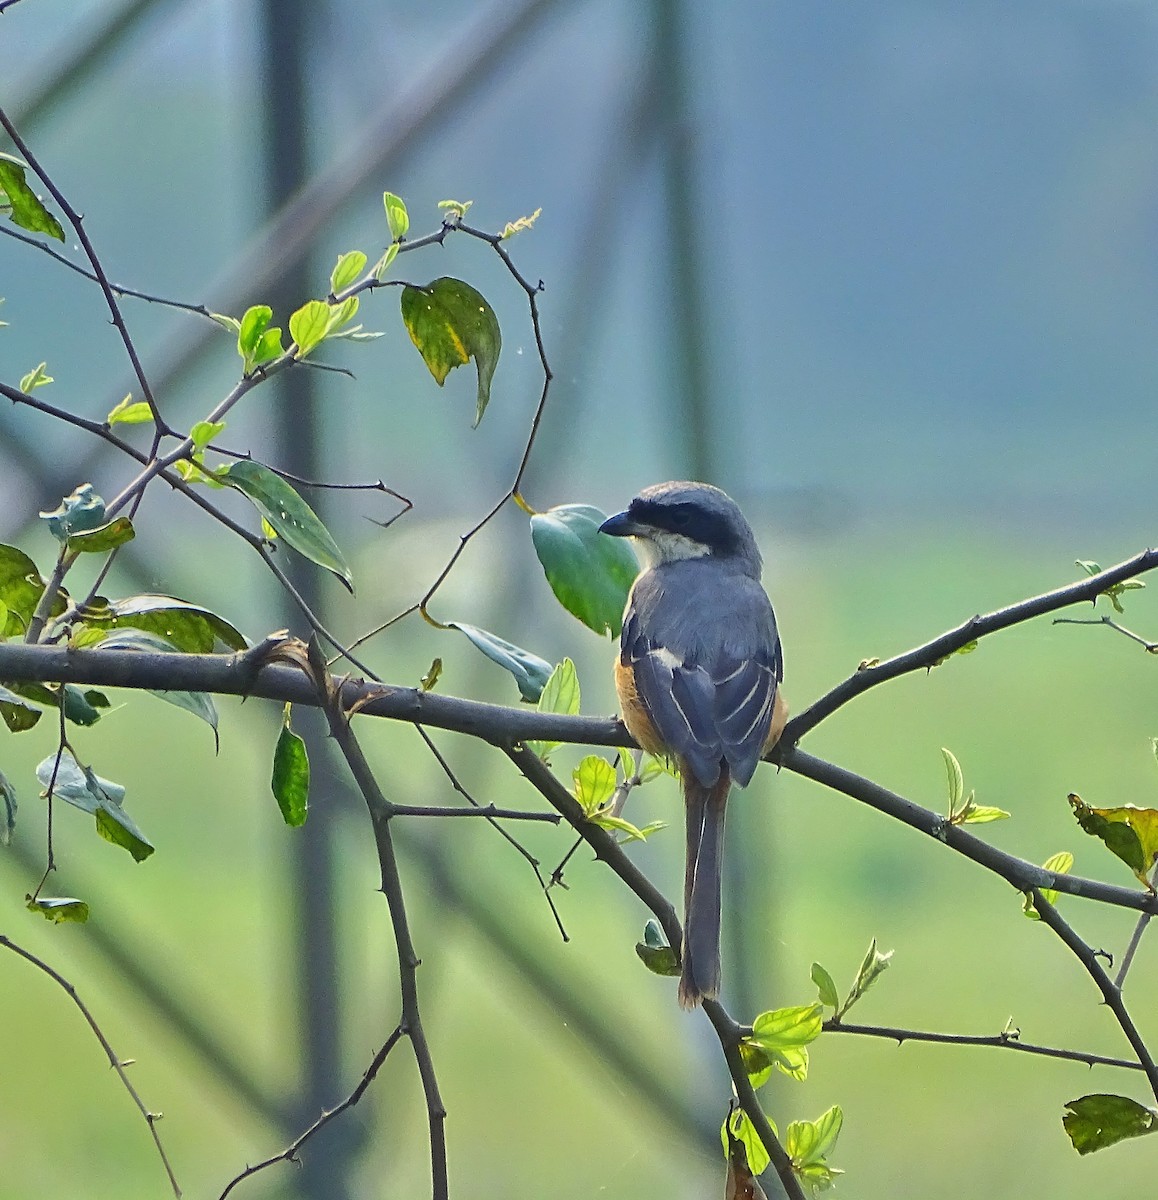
x=1147, y=645
x=290, y=1153
x=1004, y=1041
x=115, y=1061
x=608, y=850
x=77, y=223
x=1024, y=875
x=927, y=656
x=408, y=961
x=1110, y=992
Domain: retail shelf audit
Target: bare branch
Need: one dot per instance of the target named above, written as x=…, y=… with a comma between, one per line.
x=115, y=1061
x=290, y=1153
x=927, y=656
x=1110, y=993
x=77, y=223
x=1003, y=1041
x=408, y=960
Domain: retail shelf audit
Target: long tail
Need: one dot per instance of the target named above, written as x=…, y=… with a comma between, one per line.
x=700, y=978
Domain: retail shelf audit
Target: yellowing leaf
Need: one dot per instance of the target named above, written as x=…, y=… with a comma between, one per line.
x=1128, y=831
x=451, y=323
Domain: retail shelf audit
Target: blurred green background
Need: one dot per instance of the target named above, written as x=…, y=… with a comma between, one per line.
x=887, y=275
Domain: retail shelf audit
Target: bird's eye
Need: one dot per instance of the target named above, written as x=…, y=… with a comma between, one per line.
x=680, y=518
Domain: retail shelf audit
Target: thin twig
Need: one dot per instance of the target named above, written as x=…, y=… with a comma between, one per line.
x=1004, y=1041
x=76, y=221
x=181, y=305
x=531, y=860
x=489, y=811
x=512, y=493
x=1135, y=940
x=290, y=1153
x=1148, y=646
x=115, y=1061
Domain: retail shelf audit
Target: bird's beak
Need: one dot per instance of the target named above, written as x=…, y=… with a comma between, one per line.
x=621, y=525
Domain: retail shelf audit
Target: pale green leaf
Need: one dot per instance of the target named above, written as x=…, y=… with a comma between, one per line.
x=349, y=267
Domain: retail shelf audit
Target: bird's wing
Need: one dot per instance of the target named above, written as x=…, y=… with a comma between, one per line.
x=710, y=699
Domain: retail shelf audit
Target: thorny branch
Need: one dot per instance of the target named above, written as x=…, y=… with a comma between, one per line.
x=290, y=1153
x=115, y=1061
x=381, y=812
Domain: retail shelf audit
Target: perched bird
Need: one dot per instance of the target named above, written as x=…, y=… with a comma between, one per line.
x=698, y=678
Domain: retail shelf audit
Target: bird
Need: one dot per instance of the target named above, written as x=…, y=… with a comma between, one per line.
x=698, y=679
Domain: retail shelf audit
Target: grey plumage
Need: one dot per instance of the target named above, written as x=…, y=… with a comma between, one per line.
x=700, y=639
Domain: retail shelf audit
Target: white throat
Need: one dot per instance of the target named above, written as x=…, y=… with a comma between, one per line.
x=664, y=547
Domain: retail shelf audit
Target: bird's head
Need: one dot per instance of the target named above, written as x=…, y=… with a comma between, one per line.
x=678, y=520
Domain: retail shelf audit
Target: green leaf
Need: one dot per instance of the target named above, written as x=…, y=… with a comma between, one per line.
x=309, y=325
x=83, y=707
x=396, y=215
x=531, y=672
x=77, y=513
x=981, y=814
x=103, y=538
x=184, y=626
x=35, y=378
x=128, y=413
x=204, y=432
x=591, y=574
x=341, y=314
x=1097, y=1121
x=291, y=775
x=84, y=789
x=350, y=265
x=595, y=783
x=1128, y=831
x=60, y=909
x=7, y=810
x=116, y=826
x=787, y=1028
x=289, y=514
x=1114, y=592
x=250, y=329
x=560, y=695
x=740, y=1127
x=825, y=986
x=383, y=264
x=200, y=704
x=655, y=953
x=451, y=323
x=653, y=766
x=956, y=780
x=605, y=819
x=21, y=587
x=27, y=210
x=17, y=713
x=661, y=960
x=1060, y=863
x=459, y=208
x=430, y=680
x=228, y=323
x=871, y=969
x=813, y=1141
